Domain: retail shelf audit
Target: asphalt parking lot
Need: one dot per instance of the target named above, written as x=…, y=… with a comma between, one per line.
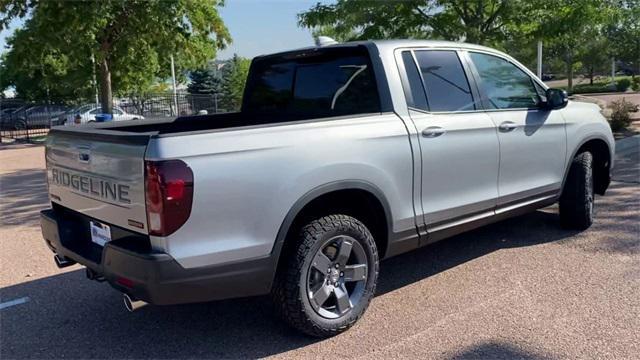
x=521, y=288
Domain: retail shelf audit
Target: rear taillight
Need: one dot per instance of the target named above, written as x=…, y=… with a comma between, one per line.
x=169, y=195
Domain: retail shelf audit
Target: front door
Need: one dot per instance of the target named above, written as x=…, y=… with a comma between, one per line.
x=532, y=138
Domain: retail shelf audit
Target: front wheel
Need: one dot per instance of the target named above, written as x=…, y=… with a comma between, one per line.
x=577, y=199
x=329, y=278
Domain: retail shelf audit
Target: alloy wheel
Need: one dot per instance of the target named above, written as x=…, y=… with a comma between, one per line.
x=337, y=276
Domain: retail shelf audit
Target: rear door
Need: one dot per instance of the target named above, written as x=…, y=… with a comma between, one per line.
x=458, y=142
x=532, y=138
x=99, y=173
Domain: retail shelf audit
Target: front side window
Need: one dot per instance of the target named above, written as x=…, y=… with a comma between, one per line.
x=502, y=84
x=319, y=84
x=444, y=81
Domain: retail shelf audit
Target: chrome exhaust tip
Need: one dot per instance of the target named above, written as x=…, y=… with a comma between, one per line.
x=131, y=304
x=62, y=262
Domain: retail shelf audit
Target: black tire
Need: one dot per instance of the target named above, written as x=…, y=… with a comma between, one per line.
x=577, y=199
x=293, y=291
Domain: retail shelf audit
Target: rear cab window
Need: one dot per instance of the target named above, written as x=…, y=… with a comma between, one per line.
x=437, y=81
x=319, y=83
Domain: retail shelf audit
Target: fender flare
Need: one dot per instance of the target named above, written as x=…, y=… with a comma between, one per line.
x=575, y=152
x=316, y=192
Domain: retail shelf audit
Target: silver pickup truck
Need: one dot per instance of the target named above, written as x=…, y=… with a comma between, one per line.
x=341, y=156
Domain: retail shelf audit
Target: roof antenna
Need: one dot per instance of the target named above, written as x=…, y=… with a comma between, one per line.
x=325, y=41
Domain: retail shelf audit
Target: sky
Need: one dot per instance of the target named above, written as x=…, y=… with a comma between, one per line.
x=257, y=27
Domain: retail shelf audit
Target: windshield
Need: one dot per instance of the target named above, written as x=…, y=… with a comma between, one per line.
x=319, y=83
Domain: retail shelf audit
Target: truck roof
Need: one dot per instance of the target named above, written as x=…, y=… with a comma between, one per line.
x=390, y=45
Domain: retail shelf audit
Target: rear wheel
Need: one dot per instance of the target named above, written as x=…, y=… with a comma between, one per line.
x=577, y=200
x=329, y=278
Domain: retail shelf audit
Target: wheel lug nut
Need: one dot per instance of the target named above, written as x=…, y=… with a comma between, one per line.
x=329, y=271
x=341, y=274
x=337, y=266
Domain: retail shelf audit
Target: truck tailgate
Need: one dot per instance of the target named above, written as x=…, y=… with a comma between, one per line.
x=99, y=173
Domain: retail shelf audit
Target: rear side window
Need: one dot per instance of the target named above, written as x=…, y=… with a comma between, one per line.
x=322, y=83
x=415, y=96
x=445, y=81
x=502, y=84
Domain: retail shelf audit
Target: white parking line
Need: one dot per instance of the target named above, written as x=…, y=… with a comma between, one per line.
x=19, y=301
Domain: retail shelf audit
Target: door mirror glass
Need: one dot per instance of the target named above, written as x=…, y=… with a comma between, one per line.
x=556, y=99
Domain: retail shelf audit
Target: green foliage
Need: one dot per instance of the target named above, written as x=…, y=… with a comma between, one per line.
x=204, y=81
x=623, y=31
x=635, y=83
x=477, y=21
x=594, y=57
x=620, y=118
x=623, y=84
x=234, y=78
x=131, y=41
x=592, y=88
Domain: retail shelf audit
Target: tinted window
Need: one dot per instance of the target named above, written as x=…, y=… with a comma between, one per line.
x=415, y=94
x=445, y=81
x=502, y=84
x=319, y=84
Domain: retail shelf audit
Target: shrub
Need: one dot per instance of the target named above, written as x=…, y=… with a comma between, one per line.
x=620, y=117
x=623, y=84
x=635, y=83
x=588, y=89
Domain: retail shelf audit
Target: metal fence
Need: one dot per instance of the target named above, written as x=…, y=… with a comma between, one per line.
x=30, y=121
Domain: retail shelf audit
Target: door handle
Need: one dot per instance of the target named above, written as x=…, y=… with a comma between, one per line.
x=507, y=126
x=433, y=131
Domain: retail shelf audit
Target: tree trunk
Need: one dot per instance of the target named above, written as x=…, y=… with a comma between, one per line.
x=106, y=97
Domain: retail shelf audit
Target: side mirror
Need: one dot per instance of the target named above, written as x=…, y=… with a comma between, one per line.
x=556, y=99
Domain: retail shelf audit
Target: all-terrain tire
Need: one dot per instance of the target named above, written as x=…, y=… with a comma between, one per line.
x=290, y=293
x=577, y=199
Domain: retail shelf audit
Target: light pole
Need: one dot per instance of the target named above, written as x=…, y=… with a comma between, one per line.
x=175, y=91
x=95, y=82
x=540, y=59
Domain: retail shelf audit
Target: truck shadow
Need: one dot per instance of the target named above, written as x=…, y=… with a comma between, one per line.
x=71, y=317
x=497, y=350
x=24, y=194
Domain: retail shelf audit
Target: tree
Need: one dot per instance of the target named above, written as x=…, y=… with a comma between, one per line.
x=234, y=77
x=131, y=40
x=595, y=56
x=564, y=25
x=38, y=71
x=475, y=21
x=623, y=32
x=204, y=81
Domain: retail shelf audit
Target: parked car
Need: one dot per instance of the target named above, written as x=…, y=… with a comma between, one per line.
x=548, y=77
x=87, y=114
x=341, y=156
x=32, y=117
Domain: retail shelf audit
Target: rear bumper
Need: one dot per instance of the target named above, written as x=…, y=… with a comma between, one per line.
x=154, y=277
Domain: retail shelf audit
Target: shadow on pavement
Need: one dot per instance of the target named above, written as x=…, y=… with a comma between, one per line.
x=496, y=350
x=71, y=317
x=24, y=194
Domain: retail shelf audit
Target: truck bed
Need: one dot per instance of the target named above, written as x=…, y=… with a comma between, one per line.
x=191, y=123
